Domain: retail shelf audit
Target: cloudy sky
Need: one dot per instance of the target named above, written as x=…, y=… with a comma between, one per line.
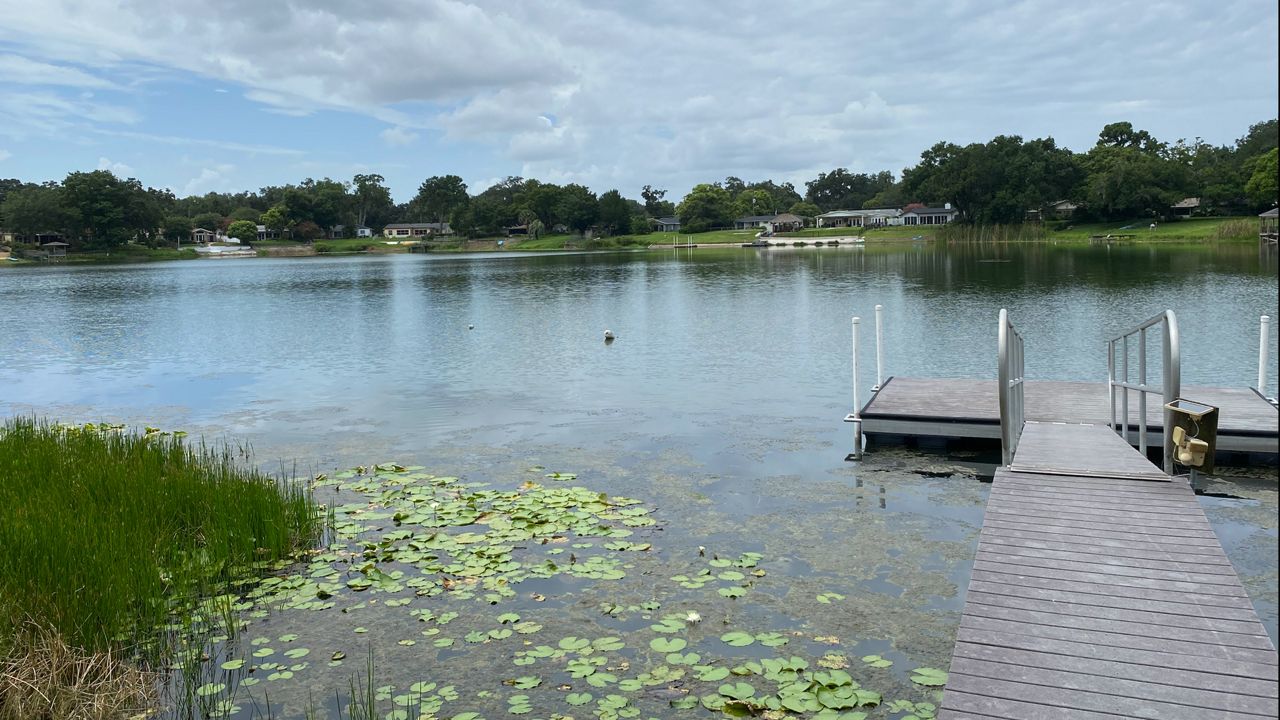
x=235, y=94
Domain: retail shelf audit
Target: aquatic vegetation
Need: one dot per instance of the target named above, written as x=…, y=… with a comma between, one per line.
x=104, y=532
x=436, y=566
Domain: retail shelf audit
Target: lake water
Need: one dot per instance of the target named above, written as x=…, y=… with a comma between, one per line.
x=719, y=403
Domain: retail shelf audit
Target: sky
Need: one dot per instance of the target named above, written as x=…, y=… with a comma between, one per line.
x=201, y=96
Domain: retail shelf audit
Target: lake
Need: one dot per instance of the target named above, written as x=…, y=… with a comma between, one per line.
x=719, y=405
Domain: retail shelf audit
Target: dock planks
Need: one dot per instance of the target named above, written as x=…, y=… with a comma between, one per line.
x=966, y=408
x=1098, y=597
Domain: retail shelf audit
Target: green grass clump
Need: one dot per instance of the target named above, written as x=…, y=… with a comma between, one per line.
x=104, y=533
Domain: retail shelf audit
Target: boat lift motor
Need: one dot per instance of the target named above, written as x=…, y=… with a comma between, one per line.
x=1195, y=433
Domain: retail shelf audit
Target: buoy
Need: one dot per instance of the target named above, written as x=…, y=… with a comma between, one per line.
x=608, y=336
x=471, y=327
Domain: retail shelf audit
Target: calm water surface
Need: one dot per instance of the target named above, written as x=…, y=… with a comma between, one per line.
x=720, y=402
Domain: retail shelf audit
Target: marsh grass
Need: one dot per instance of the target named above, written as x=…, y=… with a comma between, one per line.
x=105, y=534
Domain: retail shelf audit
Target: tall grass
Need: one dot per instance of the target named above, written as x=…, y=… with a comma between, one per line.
x=1237, y=229
x=103, y=534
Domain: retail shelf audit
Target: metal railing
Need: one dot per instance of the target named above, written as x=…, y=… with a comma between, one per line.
x=1170, y=376
x=1010, y=380
x=1264, y=345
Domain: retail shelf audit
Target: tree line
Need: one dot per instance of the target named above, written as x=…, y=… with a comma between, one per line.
x=1127, y=174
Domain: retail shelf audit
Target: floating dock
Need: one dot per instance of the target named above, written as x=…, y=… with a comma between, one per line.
x=969, y=409
x=1100, y=591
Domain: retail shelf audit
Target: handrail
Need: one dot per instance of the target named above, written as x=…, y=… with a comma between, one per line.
x=1010, y=381
x=1264, y=344
x=1170, y=374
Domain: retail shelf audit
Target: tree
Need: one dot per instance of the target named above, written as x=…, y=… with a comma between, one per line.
x=542, y=199
x=276, y=218
x=805, y=209
x=246, y=213
x=323, y=202
x=438, y=197
x=615, y=213
x=36, y=209
x=243, y=230
x=640, y=225
x=371, y=199
x=754, y=202
x=706, y=206
x=577, y=207
x=178, y=228
x=1261, y=187
x=1261, y=138
x=478, y=218
x=654, y=204
x=110, y=211
x=1122, y=135
x=843, y=190
x=308, y=230
x=783, y=195
x=208, y=221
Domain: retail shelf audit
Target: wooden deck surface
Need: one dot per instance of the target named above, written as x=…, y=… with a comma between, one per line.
x=961, y=408
x=1095, y=598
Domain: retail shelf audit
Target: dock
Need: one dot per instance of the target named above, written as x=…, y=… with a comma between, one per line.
x=969, y=409
x=1099, y=590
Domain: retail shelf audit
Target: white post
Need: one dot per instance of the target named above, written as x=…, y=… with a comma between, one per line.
x=857, y=407
x=1264, y=336
x=879, y=348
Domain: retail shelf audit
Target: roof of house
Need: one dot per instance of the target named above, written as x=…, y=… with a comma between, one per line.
x=417, y=226
x=1063, y=205
x=1273, y=212
x=932, y=211
x=201, y=230
x=841, y=213
x=55, y=243
x=754, y=218
x=786, y=218
x=1191, y=202
x=670, y=220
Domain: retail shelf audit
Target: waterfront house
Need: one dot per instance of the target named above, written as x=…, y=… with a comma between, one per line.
x=416, y=230
x=203, y=236
x=55, y=249
x=266, y=234
x=751, y=221
x=667, y=224
x=1060, y=210
x=337, y=231
x=1269, y=226
x=875, y=217
x=929, y=215
x=364, y=231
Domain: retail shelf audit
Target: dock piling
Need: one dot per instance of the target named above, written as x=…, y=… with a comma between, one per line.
x=1264, y=336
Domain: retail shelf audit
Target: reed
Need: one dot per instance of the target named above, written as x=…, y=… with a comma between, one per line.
x=104, y=534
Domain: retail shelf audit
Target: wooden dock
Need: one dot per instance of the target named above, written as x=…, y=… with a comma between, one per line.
x=1100, y=591
x=961, y=408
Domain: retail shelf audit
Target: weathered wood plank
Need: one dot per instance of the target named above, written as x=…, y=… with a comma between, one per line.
x=999, y=611
x=1184, y=563
x=1158, y=676
x=1134, y=690
x=1180, y=620
x=1075, y=450
x=1119, y=583
x=1125, y=548
x=1000, y=575
x=1182, y=609
x=1163, y=525
x=965, y=704
x=1089, y=565
x=1075, y=530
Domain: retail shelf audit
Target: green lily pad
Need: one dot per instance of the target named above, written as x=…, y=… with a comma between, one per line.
x=931, y=677
x=668, y=645
x=738, y=639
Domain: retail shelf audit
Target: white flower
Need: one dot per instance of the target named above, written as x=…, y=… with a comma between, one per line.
x=692, y=617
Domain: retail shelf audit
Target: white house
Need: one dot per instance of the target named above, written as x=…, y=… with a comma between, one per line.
x=364, y=231
x=402, y=231
x=877, y=217
x=930, y=216
x=751, y=221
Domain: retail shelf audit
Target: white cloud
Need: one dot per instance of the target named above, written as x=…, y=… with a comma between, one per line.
x=201, y=142
x=118, y=169
x=210, y=179
x=5, y=154
x=397, y=136
x=19, y=69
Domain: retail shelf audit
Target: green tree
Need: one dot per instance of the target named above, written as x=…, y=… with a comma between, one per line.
x=481, y=217
x=783, y=195
x=805, y=209
x=110, y=211
x=615, y=213
x=640, y=225
x=178, y=228
x=243, y=230
x=208, y=221
x=245, y=212
x=308, y=230
x=276, y=218
x=654, y=204
x=33, y=209
x=371, y=199
x=323, y=202
x=577, y=207
x=1261, y=187
x=439, y=197
x=706, y=206
x=542, y=199
x=754, y=202
x=843, y=190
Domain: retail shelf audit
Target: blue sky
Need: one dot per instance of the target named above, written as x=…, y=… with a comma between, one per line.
x=200, y=96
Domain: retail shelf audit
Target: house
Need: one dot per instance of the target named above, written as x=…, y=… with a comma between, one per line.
x=203, y=236
x=1059, y=210
x=784, y=222
x=751, y=221
x=55, y=249
x=337, y=232
x=875, y=217
x=667, y=224
x=266, y=234
x=1185, y=207
x=920, y=215
x=364, y=231
x=416, y=230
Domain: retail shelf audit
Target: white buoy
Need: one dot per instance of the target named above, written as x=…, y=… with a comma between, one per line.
x=608, y=336
x=471, y=327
